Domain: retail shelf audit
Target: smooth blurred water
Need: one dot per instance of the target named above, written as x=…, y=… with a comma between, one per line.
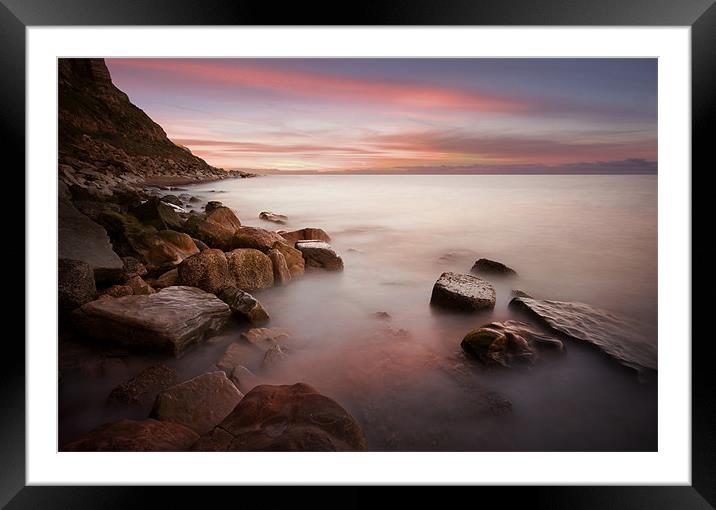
x=583, y=238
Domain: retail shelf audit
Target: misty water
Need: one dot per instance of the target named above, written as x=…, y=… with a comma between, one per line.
x=591, y=239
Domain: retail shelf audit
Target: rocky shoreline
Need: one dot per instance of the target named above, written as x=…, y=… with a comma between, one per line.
x=146, y=269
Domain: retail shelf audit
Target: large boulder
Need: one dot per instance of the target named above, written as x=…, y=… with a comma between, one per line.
x=504, y=343
x=207, y=270
x=281, y=273
x=257, y=238
x=320, y=255
x=143, y=388
x=251, y=269
x=158, y=214
x=620, y=338
x=169, y=321
x=294, y=260
x=216, y=227
x=285, y=418
x=200, y=403
x=167, y=249
x=135, y=436
x=75, y=281
x=463, y=292
x=243, y=305
x=213, y=234
x=492, y=268
x=82, y=239
x=307, y=234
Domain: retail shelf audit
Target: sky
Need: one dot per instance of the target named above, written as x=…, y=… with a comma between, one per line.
x=420, y=115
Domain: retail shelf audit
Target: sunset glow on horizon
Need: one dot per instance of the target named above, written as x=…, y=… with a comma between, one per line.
x=372, y=114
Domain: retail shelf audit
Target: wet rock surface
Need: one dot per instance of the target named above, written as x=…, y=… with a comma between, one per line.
x=620, y=338
x=307, y=234
x=207, y=270
x=463, y=292
x=285, y=418
x=492, y=268
x=244, y=305
x=273, y=217
x=507, y=343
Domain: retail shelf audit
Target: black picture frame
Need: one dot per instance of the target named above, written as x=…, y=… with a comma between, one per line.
x=700, y=15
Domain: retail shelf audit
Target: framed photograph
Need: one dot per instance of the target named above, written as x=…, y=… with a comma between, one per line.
x=407, y=247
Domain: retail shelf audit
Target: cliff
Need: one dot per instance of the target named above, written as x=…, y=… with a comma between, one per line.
x=105, y=141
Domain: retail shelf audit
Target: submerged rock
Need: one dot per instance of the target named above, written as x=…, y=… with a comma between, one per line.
x=620, y=338
x=520, y=293
x=75, y=284
x=207, y=270
x=493, y=268
x=318, y=254
x=200, y=403
x=143, y=388
x=244, y=305
x=264, y=338
x=169, y=321
x=235, y=355
x=307, y=234
x=503, y=343
x=273, y=217
x=273, y=356
x=135, y=436
x=250, y=269
x=463, y=292
x=285, y=418
x=211, y=205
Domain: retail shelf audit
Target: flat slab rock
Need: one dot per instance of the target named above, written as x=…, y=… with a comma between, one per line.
x=135, y=436
x=285, y=418
x=620, y=338
x=463, y=292
x=169, y=321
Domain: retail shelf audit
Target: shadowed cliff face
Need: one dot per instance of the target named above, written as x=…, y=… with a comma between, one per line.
x=101, y=131
x=90, y=104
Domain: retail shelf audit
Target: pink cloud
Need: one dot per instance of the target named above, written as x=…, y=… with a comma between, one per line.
x=330, y=87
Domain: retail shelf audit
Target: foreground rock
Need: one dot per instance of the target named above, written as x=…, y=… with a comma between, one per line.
x=143, y=388
x=166, y=249
x=244, y=305
x=169, y=321
x=320, y=255
x=620, y=338
x=200, y=403
x=212, y=233
x=490, y=267
x=82, y=239
x=75, y=284
x=135, y=436
x=207, y=270
x=285, y=418
x=250, y=269
x=273, y=217
x=307, y=234
x=463, y=292
x=505, y=343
